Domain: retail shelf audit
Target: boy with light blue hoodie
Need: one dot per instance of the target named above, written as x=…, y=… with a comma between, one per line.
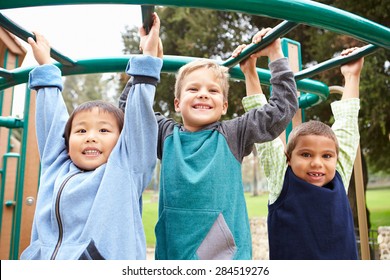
x=95, y=164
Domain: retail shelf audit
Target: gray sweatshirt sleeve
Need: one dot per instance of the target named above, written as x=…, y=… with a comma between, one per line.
x=268, y=122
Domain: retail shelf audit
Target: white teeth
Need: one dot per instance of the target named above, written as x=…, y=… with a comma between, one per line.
x=202, y=107
x=91, y=152
x=315, y=174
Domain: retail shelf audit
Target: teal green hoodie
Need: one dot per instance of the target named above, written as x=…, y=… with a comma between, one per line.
x=202, y=210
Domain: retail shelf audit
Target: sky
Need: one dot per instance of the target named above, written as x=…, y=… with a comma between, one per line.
x=77, y=31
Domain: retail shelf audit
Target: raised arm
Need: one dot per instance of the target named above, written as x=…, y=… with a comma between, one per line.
x=140, y=129
x=51, y=113
x=248, y=66
x=271, y=154
x=351, y=72
x=346, y=113
x=268, y=122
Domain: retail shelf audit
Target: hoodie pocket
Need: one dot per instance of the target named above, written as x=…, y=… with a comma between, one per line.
x=219, y=243
x=190, y=234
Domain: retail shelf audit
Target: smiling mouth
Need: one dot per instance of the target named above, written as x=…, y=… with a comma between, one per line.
x=202, y=107
x=316, y=174
x=91, y=152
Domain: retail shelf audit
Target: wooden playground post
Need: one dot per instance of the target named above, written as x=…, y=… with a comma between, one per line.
x=15, y=155
x=361, y=207
x=11, y=56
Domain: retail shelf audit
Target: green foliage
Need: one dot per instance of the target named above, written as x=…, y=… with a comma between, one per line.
x=215, y=34
x=82, y=88
x=197, y=33
x=319, y=45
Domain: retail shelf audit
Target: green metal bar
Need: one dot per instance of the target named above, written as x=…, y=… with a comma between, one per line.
x=335, y=62
x=4, y=66
x=1, y=101
x=147, y=11
x=3, y=173
x=286, y=42
x=300, y=11
x=171, y=65
x=278, y=31
x=17, y=217
x=5, y=73
x=22, y=33
x=11, y=122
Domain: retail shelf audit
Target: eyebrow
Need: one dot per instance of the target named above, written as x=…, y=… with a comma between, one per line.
x=81, y=123
x=311, y=150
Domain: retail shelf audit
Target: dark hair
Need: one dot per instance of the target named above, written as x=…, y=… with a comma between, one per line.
x=310, y=128
x=88, y=106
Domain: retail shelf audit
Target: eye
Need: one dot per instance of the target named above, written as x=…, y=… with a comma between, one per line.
x=81, y=130
x=306, y=155
x=214, y=90
x=192, y=89
x=327, y=156
x=104, y=130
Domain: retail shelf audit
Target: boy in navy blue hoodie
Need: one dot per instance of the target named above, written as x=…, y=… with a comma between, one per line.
x=309, y=214
x=93, y=175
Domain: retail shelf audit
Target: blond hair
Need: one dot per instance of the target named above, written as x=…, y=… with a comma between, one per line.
x=221, y=73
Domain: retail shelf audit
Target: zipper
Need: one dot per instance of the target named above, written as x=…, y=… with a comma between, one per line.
x=58, y=216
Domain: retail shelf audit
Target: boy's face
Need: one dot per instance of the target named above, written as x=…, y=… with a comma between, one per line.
x=201, y=100
x=314, y=159
x=92, y=137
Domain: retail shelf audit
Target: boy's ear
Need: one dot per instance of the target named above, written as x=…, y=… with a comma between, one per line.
x=287, y=158
x=176, y=103
x=224, y=107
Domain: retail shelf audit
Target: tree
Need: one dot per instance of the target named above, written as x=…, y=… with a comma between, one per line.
x=82, y=88
x=197, y=33
x=214, y=34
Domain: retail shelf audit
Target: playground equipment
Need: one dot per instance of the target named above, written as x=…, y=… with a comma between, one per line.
x=18, y=205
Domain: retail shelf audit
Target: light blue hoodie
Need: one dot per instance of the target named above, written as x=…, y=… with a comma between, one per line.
x=99, y=211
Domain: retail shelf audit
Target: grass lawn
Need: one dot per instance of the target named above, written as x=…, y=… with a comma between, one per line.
x=378, y=202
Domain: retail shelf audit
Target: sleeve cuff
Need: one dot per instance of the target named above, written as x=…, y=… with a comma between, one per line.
x=278, y=65
x=253, y=101
x=47, y=75
x=346, y=108
x=144, y=65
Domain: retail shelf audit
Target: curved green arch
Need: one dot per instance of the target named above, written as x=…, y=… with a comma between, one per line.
x=300, y=11
x=171, y=65
x=297, y=12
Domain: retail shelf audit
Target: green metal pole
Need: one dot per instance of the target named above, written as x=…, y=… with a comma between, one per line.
x=171, y=65
x=11, y=122
x=147, y=22
x=22, y=33
x=300, y=11
x=335, y=62
x=3, y=173
x=277, y=32
x=17, y=217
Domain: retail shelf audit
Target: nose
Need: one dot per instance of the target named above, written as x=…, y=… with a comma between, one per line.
x=203, y=94
x=91, y=137
x=316, y=162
